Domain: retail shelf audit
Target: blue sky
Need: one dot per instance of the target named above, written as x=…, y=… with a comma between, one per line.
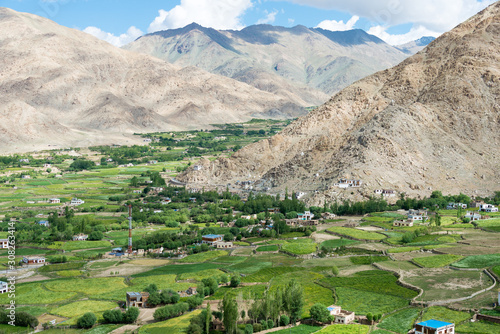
x=121, y=21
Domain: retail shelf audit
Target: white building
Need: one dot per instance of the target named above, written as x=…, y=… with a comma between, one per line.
x=345, y=183
x=197, y=167
x=452, y=206
x=80, y=237
x=434, y=327
x=307, y=215
x=4, y=243
x=4, y=287
x=473, y=215
x=76, y=201
x=341, y=316
x=54, y=200
x=488, y=208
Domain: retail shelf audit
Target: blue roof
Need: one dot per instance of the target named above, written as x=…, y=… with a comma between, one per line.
x=213, y=236
x=434, y=323
x=43, y=222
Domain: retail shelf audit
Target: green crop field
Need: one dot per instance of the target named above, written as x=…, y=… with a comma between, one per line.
x=247, y=292
x=202, y=257
x=338, y=243
x=229, y=259
x=402, y=249
x=61, y=266
x=300, y=329
x=357, y=234
x=35, y=294
x=300, y=246
x=478, y=261
x=437, y=261
x=478, y=327
x=80, y=307
x=175, y=325
x=398, y=265
x=345, y=329
x=268, y=248
x=444, y=314
x=443, y=284
x=103, y=264
x=368, y=259
x=199, y=275
x=265, y=275
x=69, y=273
x=75, y=245
x=400, y=322
x=250, y=265
x=88, y=286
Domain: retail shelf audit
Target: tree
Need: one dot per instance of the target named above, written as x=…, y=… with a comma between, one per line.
x=230, y=309
x=284, y=320
x=134, y=182
x=235, y=281
x=113, y=316
x=319, y=312
x=335, y=270
x=96, y=235
x=131, y=315
x=25, y=319
x=369, y=317
x=208, y=319
x=87, y=320
x=293, y=300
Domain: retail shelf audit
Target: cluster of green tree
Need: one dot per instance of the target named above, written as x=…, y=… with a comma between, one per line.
x=22, y=319
x=119, y=317
x=81, y=164
x=409, y=236
x=156, y=297
x=168, y=240
x=63, y=228
x=14, y=160
x=201, y=323
x=170, y=311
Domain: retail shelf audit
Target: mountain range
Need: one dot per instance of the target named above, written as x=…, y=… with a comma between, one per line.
x=310, y=63
x=429, y=123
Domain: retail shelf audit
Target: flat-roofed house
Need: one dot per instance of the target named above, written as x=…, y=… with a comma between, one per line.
x=4, y=287
x=488, y=208
x=80, y=237
x=211, y=239
x=54, y=201
x=33, y=259
x=137, y=299
x=4, y=243
x=434, y=327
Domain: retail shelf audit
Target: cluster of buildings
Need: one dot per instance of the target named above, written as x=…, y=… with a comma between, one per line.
x=385, y=192
x=345, y=183
x=216, y=240
x=413, y=216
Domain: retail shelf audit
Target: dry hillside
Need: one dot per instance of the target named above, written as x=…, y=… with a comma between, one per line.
x=62, y=87
x=432, y=122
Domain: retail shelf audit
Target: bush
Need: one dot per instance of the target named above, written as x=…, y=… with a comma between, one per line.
x=284, y=320
x=87, y=320
x=270, y=324
x=131, y=315
x=25, y=319
x=257, y=328
x=96, y=235
x=170, y=311
x=263, y=323
x=235, y=281
x=113, y=316
x=194, y=302
x=248, y=329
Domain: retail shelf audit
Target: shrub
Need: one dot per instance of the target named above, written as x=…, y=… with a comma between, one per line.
x=170, y=311
x=113, y=316
x=235, y=281
x=131, y=315
x=257, y=328
x=284, y=320
x=25, y=319
x=87, y=320
x=270, y=324
x=263, y=323
x=248, y=329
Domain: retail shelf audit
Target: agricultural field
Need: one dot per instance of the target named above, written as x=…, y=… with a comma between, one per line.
x=400, y=322
x=338, y=243
x=356, y=234
x=345, y=329
x=444, y=314
x=478, y=327
x=478, y=261
x=299, y=246
x=301, y=329
x=269, y=248
x=444, y=284
x=203, y=257
x=437, y=261
x=175, y=325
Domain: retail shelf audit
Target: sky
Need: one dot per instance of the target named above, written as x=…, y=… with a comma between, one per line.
x=122, y=21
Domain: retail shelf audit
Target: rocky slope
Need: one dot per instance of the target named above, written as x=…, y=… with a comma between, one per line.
x=63, y=87
x=432, y=122
x=308, y=63
x=415, y=46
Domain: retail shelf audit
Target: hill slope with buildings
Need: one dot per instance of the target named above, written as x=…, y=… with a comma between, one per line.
x=429, y=123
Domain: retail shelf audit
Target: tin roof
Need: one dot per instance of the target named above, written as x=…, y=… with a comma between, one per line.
x=434, y=323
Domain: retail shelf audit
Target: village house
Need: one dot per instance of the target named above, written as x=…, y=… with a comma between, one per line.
x=328, y=215
x=76, y=201
x=25, y=160
x=109, y=160
x=452, y=206
x=137, y=299
x=80, y=237
x=191, y=291
x=341, y=316
x=152, y=162
x=473, y=216
x=307, y=215
x=248, y=217
x=224, y=244
x=475, y=204
x=211, y=239
x=44, y=223
x=417, y=215
x=47, y=166
x=4, y=287
x=25, y=176
x=385, y=192
x=54, y=201
x=137, y=191
x=488, y=208
x=197, y=167
x=403, y=223
x=4, y=243
x=166, y=201
x=33, y=260
x=155, y=190
x=273, y=210
x=434, y=327
x=192, y=199
x=147, y=140
x=300, y=194
x=344, y=183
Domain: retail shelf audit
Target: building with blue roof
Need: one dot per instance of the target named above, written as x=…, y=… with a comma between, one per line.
x=434, y=327
x=211, y=239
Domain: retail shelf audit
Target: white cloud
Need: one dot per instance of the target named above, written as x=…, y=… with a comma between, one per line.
x=218, y=14
x=414, y=34
x=434, y=15
x=338, y=25
x=270, y=17
x=132, y=34
x=291, y=21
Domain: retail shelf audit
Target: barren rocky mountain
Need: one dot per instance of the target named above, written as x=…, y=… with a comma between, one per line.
x=430, y=123
x=62, y=87
x=309, y=63
x=415, y=46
